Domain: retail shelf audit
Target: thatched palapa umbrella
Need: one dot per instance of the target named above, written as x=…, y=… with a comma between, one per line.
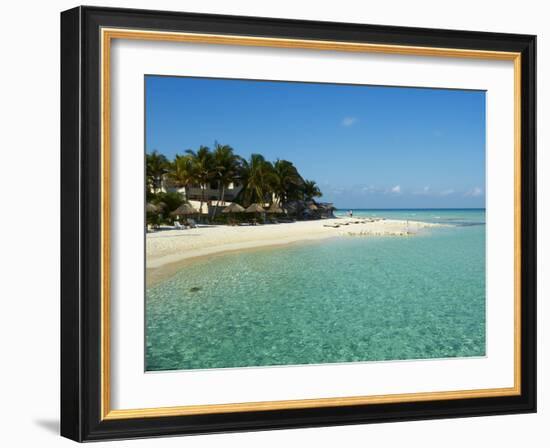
x=185, y=209
x=151, y=216
x=312, y=207
x=233, y=208
x=160, y=208
x=151, y=208
x=275, y=209
x=255, y=208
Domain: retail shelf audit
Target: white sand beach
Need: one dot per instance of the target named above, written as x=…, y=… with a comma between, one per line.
x=167, y=248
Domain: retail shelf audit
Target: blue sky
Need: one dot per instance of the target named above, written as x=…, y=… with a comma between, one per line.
x=366, y=146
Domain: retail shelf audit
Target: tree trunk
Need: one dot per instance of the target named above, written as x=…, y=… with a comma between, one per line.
x=221, y=191
x=222, y=196
x=202, y=201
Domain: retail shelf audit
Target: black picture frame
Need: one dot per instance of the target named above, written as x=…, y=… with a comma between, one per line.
x=81, y=224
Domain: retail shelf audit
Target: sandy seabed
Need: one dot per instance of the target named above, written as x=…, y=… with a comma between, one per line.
x=166, y=250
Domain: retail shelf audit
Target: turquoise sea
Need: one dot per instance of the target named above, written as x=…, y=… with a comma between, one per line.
x=332, y=301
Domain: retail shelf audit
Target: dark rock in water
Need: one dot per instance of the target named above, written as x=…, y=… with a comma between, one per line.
x=195, y=289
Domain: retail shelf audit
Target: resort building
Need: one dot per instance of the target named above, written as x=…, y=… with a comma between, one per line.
x=195, y=192
x=208, y=200
x=212, y=192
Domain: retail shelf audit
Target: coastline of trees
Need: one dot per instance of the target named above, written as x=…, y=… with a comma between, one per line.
x=262, y=181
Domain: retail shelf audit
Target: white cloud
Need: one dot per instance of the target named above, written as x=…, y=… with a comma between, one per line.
x=446, y=192
x=474, y=192
x=370, y=189
x=349, y=121
x=424, y=192
x=396, y=189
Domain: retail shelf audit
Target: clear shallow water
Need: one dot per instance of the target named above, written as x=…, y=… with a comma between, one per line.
x=457, y=217
x=339, y=300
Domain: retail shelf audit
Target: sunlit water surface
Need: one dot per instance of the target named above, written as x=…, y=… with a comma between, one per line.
x=339, y=300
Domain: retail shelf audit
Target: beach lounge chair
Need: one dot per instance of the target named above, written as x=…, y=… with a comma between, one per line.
x=191, y=223
x=178, y=226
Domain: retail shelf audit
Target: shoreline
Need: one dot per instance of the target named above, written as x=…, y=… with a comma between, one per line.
x=169, y=250
x=158, y=274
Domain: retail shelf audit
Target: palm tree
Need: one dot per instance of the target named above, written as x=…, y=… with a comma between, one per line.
x=288, y=181
x=311, y=190
x=259, y=179
x=227, y=166
x=203, y=167
x=156, y=165
x=182, y=172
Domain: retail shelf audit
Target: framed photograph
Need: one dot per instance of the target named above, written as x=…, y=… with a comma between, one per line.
x=274, y=223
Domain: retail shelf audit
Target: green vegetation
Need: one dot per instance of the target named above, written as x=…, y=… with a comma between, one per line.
x=156, y=166
x=311, y=190
x=263, y=182
x=227, y=169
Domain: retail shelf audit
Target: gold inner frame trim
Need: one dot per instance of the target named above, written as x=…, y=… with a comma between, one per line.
x=107, y=35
